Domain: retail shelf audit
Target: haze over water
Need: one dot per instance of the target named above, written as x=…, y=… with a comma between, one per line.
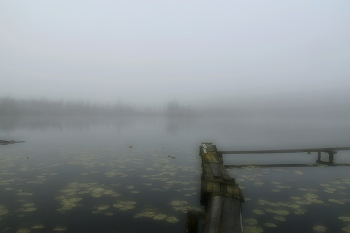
x=113, y=99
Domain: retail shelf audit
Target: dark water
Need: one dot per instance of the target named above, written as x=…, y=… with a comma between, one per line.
x=142, y=175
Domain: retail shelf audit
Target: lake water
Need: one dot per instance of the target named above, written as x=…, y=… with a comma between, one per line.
x=143, y=174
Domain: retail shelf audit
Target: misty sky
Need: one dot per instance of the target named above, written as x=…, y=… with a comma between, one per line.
x=193, y=51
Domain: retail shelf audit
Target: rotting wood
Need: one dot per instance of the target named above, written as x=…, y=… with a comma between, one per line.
x=215, y=167
x=216, y=186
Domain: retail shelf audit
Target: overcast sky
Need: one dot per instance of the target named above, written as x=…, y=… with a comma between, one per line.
x=193, y=51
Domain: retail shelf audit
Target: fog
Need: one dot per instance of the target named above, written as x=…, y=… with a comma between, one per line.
x=147, y=54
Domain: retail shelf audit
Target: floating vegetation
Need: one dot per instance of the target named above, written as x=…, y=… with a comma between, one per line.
x=103, y=207
x=38, y=226
x=159, y=217
x=30, y=209
x=3, y=211
x=23, y=231
x=280, y=212
x=330, y=190
x=172, y=219
x=183, y=207
x=282, y=187
x=67, y=204
x=251, y=221
x=274, y=182
x=300, y=211
x=60, y=228
x=252, y=229
x=259, y=212
x=146, y=213
x=337, y=201
x=345, y=219
x=346, y=229
x=279, y=218
x=320, y=228
x=125, y=205
x=22, y=193
x=270, y=224
x=299, y=172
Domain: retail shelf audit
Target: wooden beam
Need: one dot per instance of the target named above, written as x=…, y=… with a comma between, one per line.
x=327, y=150
x=318, y=164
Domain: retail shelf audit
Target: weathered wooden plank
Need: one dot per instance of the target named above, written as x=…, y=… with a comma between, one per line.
x=212, y=187
x=234, y=191
x=224, y=173
x=211, y=158
x=207, y=171
x=211, y=148
x=227, y=182
x=212, y=222
x=231, y=216
x=216, y=169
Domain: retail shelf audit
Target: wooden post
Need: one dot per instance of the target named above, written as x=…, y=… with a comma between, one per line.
x=331, y=157
x=192, y=220
x=318, y=156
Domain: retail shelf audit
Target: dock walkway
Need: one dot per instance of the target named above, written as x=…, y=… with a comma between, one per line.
x=221, y=196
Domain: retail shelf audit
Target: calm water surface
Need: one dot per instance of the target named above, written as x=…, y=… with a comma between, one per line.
x=142, y=175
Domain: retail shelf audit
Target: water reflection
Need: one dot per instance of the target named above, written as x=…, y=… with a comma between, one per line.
x=174, y=125
x=80, y=123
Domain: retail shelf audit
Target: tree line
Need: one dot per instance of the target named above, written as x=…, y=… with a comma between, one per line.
x=43, y=107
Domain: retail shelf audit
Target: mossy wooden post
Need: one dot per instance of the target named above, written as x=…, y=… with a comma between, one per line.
x=220, y=195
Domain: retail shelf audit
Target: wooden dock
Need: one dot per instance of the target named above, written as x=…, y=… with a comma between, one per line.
x=331, y=151
x=221, y=196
